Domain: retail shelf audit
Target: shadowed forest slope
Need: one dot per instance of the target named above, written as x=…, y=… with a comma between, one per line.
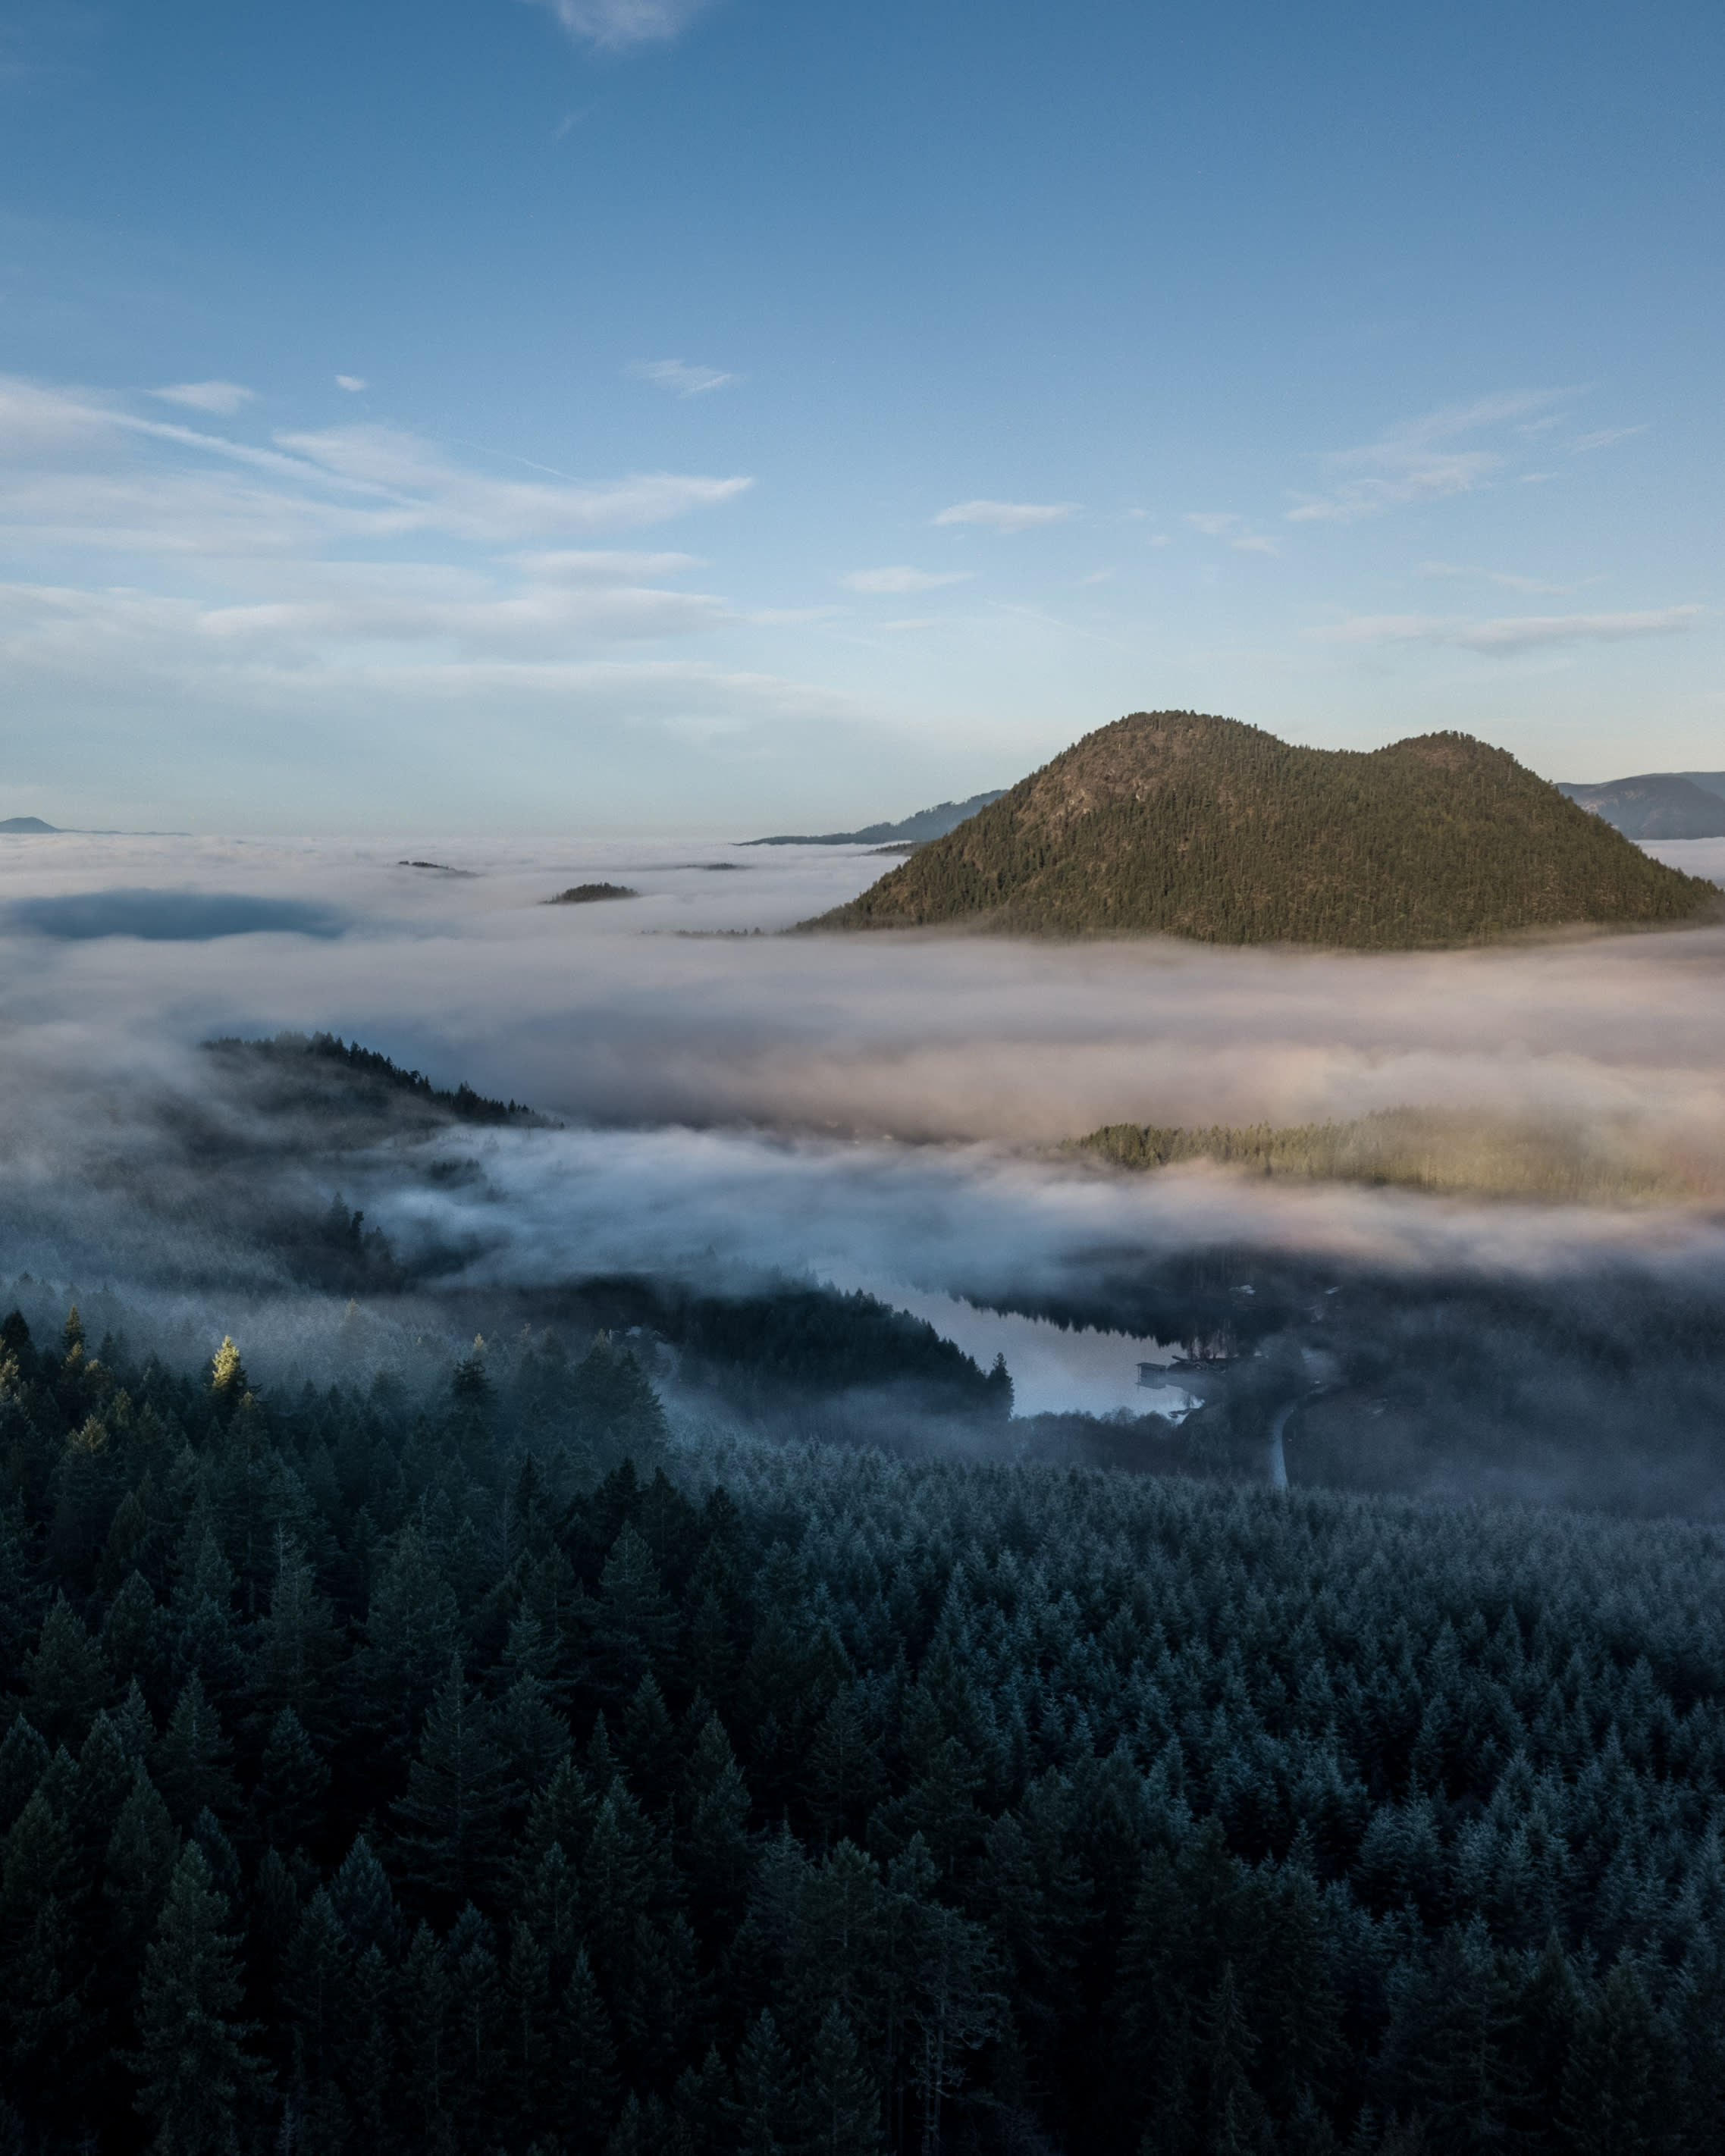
x=1171, y=823
x=492, y=1773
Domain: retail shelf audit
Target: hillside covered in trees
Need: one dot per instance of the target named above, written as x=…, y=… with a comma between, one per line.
x=490, y=1772
x=1170, y=823
x=1427, y=1149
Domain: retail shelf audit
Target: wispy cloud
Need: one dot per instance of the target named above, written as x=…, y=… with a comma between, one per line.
x=900, y=579
x=1223, y=524
x=1008, y=516
x=352, y=384
x=1422, y=459
x=1511, y=584
x=221, y=398
x=681, y=379
x=615, y=25
x=433, y=491
x=1604, y=437
x=1509, y=635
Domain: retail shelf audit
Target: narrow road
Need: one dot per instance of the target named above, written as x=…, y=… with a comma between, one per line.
x=1278, y=1463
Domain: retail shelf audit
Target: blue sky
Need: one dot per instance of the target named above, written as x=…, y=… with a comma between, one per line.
x=622, y=414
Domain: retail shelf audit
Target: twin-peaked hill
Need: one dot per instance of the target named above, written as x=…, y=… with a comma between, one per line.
x=1169, y=822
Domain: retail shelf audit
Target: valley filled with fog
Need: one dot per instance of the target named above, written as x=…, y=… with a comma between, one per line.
x=724, y=1106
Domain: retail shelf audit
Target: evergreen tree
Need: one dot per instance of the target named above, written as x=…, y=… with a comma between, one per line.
x=131, y=1635
x=23, y=1756
x=587, y=2051
x=636, y=1624
x=452, y=1808
x=316, y=1991
x=191, y=1763
x=292, y=1782
x=1613, y=2101
x=1232, y=2115
x=364, y=1901
x=840, y=2107
x=142, y=1853
x=42, y=2000
x=66, y=1674
x=427, y=2062
x=715, y=1844
x=766, y=2094
x=411, y=1630
x=228, y=1384
x=202, y=1621
x=198, y=2085
x=477, y=2025
x=298, y=1643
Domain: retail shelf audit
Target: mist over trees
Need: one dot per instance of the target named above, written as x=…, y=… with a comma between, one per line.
x=493, y=1772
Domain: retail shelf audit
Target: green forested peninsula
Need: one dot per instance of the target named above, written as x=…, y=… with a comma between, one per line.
x=1426, y=1149
x=488, y=1773
x=1170, y=823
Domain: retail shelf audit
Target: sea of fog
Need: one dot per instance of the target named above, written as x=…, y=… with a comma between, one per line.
x=878, y=1110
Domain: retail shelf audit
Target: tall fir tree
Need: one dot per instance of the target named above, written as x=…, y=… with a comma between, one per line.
x=199, y=2088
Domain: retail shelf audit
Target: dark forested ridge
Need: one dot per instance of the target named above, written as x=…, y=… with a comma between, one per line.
x=1171, y=823
x=298, y=1070
x=487, y=1773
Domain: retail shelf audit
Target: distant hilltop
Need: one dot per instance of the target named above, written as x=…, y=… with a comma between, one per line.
x=25, y=825
x=1175, y=824
x=1659, y=804
x=915, y=830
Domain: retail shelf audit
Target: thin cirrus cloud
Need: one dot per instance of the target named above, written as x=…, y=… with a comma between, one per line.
x=352, y=384
x=220, y=398
x=1603, y=437
x=76, y=465
x=280, y=547
x=1223, y=524
x=432, y=491
x=1532, y=585
x=1008, y=516
x=1507, y=635
x=901, y=578
x=1429, y=459
x=679, y=377
x=616, y=25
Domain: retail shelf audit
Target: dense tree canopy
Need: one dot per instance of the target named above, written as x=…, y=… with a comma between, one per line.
x=490, y=1772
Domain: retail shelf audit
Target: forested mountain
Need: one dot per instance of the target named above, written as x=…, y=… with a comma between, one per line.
x=491, y=1774
x=1660, y=804
x=911, y=830
x=1170, y=823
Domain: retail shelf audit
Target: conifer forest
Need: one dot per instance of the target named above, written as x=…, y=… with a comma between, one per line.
x=491, y=1769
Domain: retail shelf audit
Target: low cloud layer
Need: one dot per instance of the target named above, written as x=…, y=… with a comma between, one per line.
x=737, y=1099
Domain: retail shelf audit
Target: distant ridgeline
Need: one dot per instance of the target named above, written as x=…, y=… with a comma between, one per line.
x=914, y=830
x=1423, y=1149
x=1659, y=804
x=1171, y=823
x=319, y=1056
